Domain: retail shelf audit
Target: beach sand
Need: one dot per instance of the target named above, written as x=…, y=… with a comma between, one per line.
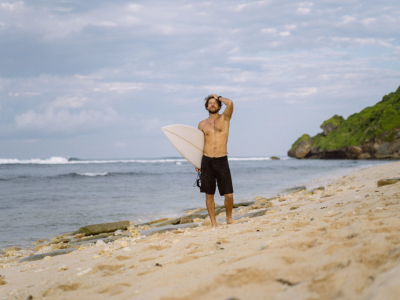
x=339, y=243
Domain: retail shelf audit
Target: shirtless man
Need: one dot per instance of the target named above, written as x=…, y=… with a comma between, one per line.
x=214, y=165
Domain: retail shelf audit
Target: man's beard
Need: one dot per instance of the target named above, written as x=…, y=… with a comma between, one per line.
x=215, y=111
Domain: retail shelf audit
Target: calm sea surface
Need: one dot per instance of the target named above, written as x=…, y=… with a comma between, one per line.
x=41, y=198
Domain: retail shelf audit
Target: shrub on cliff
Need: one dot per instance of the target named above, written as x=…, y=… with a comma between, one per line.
x=335, y=120
x=305, y=138
x=331, y=124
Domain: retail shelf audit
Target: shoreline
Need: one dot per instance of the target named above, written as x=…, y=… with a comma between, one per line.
x=315, y=181
x=294, y=244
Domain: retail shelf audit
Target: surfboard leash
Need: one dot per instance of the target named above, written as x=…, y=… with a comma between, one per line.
x=198, y=180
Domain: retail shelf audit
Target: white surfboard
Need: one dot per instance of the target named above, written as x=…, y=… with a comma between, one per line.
x=189, y=142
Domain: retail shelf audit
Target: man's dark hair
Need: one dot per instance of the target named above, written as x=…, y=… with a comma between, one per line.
x=208, y=99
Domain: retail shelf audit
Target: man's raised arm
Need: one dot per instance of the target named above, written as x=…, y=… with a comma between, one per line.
x=229, y=106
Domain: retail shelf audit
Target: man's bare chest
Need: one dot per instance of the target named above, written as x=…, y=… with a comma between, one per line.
x=214, y=126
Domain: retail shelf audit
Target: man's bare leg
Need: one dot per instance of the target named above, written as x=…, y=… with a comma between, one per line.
x=211, y=209
x=228, y=208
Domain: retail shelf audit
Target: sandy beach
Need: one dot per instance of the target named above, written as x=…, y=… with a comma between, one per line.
x=340, y=242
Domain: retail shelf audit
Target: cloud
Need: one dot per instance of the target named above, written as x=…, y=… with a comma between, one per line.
x=253, y=4
x=63, y=121
x=368, y=21
x=387, y=43
x=305, y=7
x=274, y=31
x=269, y=30
x=51, y=25
x=12, y=6
x=69, y=102
x=119, y=87
x=303, y=10
x=290, y=27
x=302, y=92
x=348, y=19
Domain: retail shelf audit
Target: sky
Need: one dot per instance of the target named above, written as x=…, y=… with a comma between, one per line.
x=98, y=79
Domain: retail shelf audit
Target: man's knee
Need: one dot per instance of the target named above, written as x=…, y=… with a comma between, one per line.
x=209, y=197
x=229, y=197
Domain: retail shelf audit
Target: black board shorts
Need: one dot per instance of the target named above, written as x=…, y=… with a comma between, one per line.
x=215, y=170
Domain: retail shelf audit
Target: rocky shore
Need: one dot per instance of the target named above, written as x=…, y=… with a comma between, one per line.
x=100, y=234
x=335, y=241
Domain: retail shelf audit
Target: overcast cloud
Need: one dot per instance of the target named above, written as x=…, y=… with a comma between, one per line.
x=97, y=79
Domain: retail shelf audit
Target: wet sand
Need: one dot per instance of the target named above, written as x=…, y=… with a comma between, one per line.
x=339, y=243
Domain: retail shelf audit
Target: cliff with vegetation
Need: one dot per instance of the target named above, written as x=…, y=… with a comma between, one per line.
x=373, y=133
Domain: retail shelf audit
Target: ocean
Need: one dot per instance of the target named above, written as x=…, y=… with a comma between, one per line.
x=41, y=198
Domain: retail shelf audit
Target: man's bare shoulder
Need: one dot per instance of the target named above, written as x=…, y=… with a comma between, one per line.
x=201, y=124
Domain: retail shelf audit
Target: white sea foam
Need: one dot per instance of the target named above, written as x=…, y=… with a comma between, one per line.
x=49, y=161
x=63, y=160
x=248, y=158
x=54, y=160
x=256, y=158
x=92, y=174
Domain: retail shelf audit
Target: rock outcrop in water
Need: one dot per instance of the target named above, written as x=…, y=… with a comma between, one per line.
x=373, y=133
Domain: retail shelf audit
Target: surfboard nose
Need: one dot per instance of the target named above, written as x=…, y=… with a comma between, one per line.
x=187, y=140
x=165, y=129
x=172, y=126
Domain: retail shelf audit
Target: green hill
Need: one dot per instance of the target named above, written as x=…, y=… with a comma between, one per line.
x=379, y=123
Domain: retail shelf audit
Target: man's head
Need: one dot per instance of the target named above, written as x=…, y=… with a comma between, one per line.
x=212, y=105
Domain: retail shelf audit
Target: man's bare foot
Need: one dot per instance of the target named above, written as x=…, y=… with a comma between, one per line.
x=230, y=221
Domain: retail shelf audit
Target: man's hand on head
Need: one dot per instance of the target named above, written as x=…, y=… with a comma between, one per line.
x=215, y=96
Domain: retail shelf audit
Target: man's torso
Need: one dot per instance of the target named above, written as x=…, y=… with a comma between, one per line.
x=216, y=132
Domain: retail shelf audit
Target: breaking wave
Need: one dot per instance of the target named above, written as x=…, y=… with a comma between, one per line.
x=252, y=158
x=108, y=174
x=92, y=174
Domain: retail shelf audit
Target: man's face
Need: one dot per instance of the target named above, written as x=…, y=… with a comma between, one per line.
x=213, y=106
